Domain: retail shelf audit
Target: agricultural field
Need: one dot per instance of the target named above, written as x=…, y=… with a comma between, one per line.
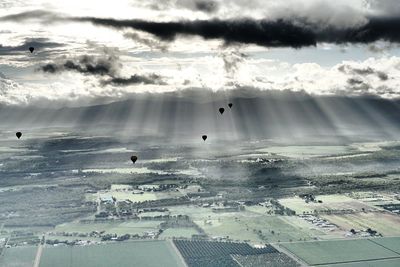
x=329, y=202
x=376, y=263
x=61, y=182
x=281, y=229
x=383, y=222
x=306, y=151
x=125, y=192
x=18, y=256
x=178, y=233
x=136, y=170
x=266, y=260
x=309, y=230
x=378, y=199
x=339, y=251
x=126, y=254
x=217, y=224
x=120, y=196
x=392, y=243
x=212, y=254
x=259, y=209
x=229, y=227
x=251, y=224
x=119, y=228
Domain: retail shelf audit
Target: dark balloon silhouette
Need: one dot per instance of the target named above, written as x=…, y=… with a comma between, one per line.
x=18, y=134
x=134, y=159
x=204, y=137
x=230, y=105
x=31, y=49
x=221, y=110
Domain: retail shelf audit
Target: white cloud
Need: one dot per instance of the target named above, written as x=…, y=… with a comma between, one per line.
x=190, y=62
x=209, y=72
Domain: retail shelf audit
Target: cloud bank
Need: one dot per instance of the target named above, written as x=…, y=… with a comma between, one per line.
x=295, y=32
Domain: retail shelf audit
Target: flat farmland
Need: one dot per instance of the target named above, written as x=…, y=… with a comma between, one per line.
x=307, y=151
x=178, y=232
x=329, y=202
x=229, y=227
x=121, y=195
x=392, y=243
x=377, y=263
x=250, y=224
x=256, y=229
x=18, y=257
x=339, y=251
x=119, y=228
x=278, y=228
x=124, y=254
x=309, y=229
x=385, y=223
x=220, y=224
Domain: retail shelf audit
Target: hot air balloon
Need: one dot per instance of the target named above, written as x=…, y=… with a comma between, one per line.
x=31, y=49
x=230, y=105
x=204, y=137
x=221, y=110
x=18, y=134
x=134, y=159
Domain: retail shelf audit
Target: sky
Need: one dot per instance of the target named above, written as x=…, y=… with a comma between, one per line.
x=89, y=52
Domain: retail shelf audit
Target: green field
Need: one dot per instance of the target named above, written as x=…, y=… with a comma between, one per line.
x=246, y=225
x=306, y=151
x=179, y=232
x=258, y=229
x=339, y=251
x=385, y=223
x=378, y=263
x=18, y=257
x=392, y=243
x=138, y=253
x=329, y=202
x=119, y=228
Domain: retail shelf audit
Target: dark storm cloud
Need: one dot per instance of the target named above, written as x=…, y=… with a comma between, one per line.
x=363, y=71
x=136, y=79
x=377, y=28
x=37, y=43
x=106, y=66
x=264, y=33
x=278, y=33
x=293, y=32
x=85, y=65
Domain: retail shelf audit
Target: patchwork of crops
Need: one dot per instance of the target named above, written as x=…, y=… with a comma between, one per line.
x=18, y=257
x=344, y=251
x=122, y=254
x=210, y=254
x=267, y=260
x=391, y=243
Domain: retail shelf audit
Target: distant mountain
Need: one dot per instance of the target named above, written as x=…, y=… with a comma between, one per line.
x=255, y=114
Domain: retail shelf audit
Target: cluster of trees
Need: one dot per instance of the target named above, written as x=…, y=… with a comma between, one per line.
x=162, y=202
x=280, y=209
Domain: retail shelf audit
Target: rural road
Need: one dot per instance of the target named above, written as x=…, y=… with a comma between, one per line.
x=39, y=253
